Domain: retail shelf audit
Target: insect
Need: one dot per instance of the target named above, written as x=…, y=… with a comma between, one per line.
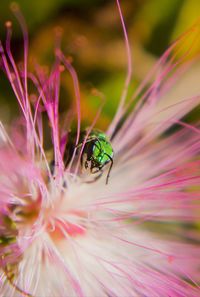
x=96, y=150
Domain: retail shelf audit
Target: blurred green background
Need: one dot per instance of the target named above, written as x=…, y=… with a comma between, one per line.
x=92, y=36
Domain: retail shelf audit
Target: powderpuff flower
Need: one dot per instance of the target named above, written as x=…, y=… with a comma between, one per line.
x=64, y=231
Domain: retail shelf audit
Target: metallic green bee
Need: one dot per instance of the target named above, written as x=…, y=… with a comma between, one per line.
x=97, y=152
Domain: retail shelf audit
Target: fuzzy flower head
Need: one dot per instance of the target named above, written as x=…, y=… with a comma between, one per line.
x=101, y=213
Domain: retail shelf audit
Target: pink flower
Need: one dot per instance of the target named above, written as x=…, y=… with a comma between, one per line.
x=61, y=235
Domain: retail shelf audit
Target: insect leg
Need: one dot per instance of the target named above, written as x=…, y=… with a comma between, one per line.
x=96, y=177
x=111, y=165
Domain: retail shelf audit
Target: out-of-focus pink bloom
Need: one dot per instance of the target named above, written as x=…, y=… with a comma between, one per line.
x=62, y=236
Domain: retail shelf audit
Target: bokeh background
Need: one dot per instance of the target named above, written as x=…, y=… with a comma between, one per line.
x=92, y=36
